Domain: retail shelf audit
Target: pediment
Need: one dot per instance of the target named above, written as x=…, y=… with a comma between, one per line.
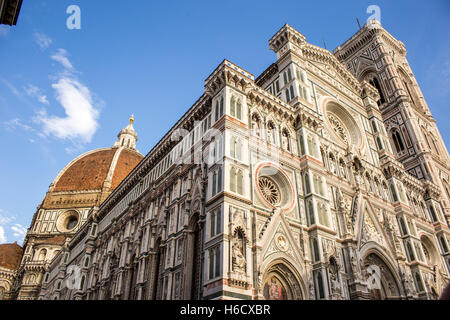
x=279, y=239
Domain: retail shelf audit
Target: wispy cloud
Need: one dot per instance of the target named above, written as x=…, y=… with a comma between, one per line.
x=35, y=92
x=3, y=221
x=4, y=30
x=42, y=40
x=19, y=230
x=81, y=119
x=61, y=57
x=16, y=123
x=2, y=235
x=11, y=87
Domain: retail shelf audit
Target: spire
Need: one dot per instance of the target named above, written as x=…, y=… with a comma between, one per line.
x=127, y=136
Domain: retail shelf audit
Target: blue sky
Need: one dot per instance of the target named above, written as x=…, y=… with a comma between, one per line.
x=64, y=92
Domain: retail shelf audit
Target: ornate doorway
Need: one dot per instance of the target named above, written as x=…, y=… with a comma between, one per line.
x=382, y=282
x=281, y=284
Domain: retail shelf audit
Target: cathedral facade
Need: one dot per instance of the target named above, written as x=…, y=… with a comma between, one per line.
x=323, y=178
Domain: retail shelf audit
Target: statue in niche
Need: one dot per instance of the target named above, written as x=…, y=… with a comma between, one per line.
x=238, y=259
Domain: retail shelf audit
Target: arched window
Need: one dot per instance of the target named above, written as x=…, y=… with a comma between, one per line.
x=432, y=213
x=323, y=215
x=240, y=178
x=379, y=144
x=316, y=253
x=307, y=183
x=419, y=283
x=214, y=183
x=374, y=82
x=398, y=142
x=233, y=107
x=312, y=219
x=443, y=244
x=233, y=180
x=403, y=226
x=410, y=251
x=288, y=97
x=238, y=110
x=219, y=179
x=320, y=291
x=374, y=126
x=394, y=193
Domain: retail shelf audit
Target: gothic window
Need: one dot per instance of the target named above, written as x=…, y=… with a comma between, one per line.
x=379, y=144
x=403, y=226
x=214, y=263
x=410, y=251
x=236, y=108
x=221, y=107
x=312, y=219
x=374, y=82
x=394, y=192
x=443, y=244
x=236, y=181
x=419, y=282
x=374, y=126
x=292, y=94
x=236, y=148
x=214, y=184
x=312, y=146
x=233, y=179
x=323, y=214
x=432, y=213
x=288, y=97
x=269, y=190
x=315, y=250
x=398, y=142
x=215, y=222
x=233, y=107
x=320, y=290
x=307, y=183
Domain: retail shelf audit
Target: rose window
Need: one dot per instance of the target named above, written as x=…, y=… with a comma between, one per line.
x=338, y=128
x=269, y=190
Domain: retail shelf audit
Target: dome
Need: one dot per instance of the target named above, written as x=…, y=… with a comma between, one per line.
x=97, y=169
x=10, y=255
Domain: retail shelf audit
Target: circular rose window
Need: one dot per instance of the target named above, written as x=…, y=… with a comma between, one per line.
x=68, y=221
x=274, y=187
x=269, y=190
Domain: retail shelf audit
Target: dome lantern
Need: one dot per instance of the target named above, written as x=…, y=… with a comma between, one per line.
x=127, y=136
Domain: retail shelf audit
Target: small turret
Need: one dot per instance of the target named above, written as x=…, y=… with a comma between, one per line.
x=127, y=136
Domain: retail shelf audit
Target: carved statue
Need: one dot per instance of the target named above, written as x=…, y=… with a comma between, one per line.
x=238, y=259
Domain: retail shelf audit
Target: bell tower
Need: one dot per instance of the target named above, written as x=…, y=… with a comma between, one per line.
x=374, y=55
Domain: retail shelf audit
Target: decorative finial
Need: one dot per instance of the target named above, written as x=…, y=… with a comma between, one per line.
x=132, y=119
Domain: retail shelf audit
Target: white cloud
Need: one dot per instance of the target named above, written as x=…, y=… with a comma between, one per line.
x=11, y=87
x=61, y=57
x=42, y=40
x=15, y=124
x=81, y=120
x=2, y=235
x=4, y=30
x=35, y=92
x=19, y=231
